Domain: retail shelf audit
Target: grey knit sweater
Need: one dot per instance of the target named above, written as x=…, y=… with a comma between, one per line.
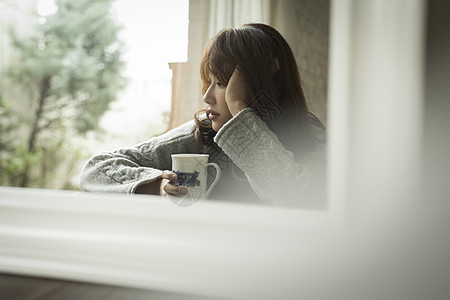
x=255, y=165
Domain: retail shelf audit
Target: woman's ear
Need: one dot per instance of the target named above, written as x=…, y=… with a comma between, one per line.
x=275, y=65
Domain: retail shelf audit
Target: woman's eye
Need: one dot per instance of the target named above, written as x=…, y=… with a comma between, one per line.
x=219, y=84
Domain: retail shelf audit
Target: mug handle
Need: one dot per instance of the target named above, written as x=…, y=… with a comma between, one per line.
x=213, y=184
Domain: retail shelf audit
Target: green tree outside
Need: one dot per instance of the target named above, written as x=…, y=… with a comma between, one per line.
x=70, y=72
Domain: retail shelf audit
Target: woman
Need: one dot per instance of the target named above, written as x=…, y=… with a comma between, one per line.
x=256, y=126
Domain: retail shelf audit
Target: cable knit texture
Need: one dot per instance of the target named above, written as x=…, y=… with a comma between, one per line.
x=271, y=170
x=244, y=145
x=123, y=170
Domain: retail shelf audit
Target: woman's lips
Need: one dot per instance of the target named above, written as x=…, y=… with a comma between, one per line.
x=212, y=115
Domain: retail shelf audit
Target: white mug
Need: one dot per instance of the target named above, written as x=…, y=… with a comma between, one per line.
x=192, y=171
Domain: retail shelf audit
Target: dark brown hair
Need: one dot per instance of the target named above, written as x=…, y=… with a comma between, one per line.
x=267, y=63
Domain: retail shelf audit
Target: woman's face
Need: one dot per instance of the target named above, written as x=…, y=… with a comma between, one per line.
x=217, y=109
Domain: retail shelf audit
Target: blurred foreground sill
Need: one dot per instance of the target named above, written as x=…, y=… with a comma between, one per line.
x=136, y=241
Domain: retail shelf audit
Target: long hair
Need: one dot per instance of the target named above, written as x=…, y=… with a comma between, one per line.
x=268, y=66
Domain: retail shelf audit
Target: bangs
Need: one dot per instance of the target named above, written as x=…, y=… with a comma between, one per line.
x=218, y=60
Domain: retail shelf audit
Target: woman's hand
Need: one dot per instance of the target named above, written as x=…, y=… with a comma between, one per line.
x=167, y=188
x=236, y=94
x=163, y=186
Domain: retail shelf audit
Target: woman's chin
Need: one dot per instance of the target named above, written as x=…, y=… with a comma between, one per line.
x=216, y=126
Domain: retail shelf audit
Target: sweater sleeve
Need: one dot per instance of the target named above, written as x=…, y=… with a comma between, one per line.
x=123, y=170
x=275, y=176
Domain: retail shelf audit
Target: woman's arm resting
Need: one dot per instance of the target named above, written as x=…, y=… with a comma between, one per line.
x=127, y=169
x=274, y=174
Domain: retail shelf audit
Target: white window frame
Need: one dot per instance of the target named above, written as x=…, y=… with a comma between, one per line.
x=247, y=251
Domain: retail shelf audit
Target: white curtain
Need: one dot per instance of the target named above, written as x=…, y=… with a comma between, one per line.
x=234, y=13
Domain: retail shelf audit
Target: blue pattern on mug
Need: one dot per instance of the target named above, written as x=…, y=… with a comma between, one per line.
x=187, y=179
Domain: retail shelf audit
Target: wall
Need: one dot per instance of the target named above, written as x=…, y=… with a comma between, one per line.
x=188, y=93
x=305, y=24
x=436, y=146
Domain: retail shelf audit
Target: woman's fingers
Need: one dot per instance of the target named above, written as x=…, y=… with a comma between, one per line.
x=236, y=93
x=175, y=190
x=171, y=176
x=167, y=187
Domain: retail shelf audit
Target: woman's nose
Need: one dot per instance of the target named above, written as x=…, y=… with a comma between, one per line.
x=208, y=97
